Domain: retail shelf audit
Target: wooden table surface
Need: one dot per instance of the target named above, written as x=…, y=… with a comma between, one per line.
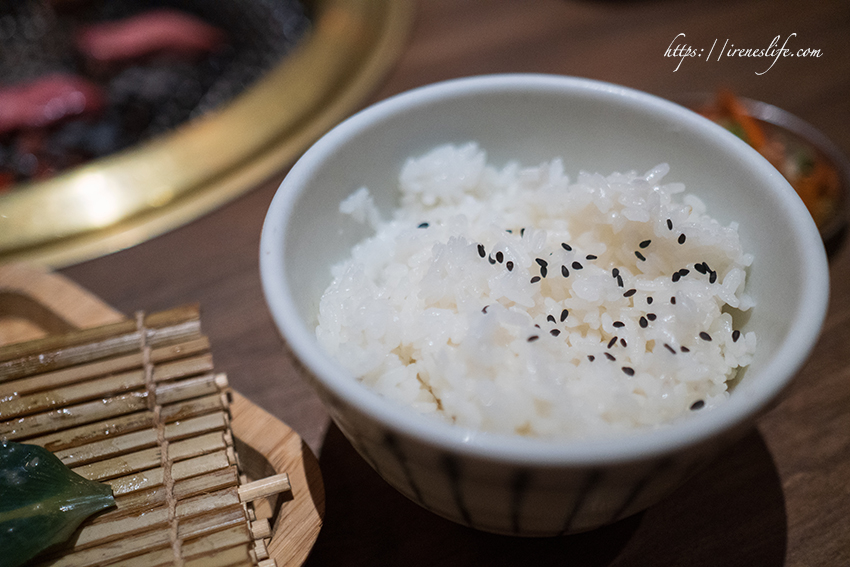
x=781, y=496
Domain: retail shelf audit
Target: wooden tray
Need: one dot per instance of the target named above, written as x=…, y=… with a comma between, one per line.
x=35, y=303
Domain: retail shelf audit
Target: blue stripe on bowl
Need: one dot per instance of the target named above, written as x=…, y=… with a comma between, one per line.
x=366, y=454
x=391, y=442
x=519, y=488
x=591, y=480
x=640, y=486
x=452, y=468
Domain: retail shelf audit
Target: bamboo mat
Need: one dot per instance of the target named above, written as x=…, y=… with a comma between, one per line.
x=137, y=404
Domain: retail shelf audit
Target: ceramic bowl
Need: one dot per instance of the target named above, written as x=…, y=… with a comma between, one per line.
x=516, y=485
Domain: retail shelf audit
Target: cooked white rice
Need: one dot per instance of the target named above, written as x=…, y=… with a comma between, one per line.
x=513, y=301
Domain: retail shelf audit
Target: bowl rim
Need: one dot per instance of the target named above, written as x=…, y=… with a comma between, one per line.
x=791, y=353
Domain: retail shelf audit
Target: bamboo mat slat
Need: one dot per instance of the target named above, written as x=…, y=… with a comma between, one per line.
x=62, y=377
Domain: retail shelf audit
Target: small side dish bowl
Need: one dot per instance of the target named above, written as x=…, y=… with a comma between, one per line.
x=512, y=484
x=816, y=168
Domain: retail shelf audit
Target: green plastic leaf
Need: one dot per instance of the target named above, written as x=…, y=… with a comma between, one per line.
x=42, y=502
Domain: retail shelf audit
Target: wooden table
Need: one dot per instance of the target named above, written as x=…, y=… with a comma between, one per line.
x=779, y=497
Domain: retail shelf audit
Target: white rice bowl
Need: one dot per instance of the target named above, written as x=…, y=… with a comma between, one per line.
x=517, y=301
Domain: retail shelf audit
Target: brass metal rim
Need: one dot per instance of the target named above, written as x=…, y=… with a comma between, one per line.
x=122, y=200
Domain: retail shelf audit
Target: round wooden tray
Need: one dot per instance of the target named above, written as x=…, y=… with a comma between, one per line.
x=122, y=200
x=35, y=303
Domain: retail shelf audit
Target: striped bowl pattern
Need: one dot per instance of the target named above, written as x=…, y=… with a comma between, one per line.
x=519, y=500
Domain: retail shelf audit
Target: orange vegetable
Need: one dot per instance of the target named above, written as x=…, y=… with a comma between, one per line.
x=730, y=106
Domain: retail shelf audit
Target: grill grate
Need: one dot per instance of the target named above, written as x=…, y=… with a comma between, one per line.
x=144, y=99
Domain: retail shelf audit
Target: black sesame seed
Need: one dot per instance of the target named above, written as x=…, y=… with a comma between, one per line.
x=650, y=316
x=684, y=272
x=509, y=265
x=535, y=279
x=423, y=225
x=576, y=266
x=640, y=256
x=668, y=347
x=645, y=243
x=736, y=334
x=481, y=251
x=673, y=300
x=509, y=231
x=620, y=281
x=565, y=272
x=566, y=247
x=500, y=257
x=669, y=224
x=684, y=349
x=554, y=332
x=713, y=277
x=612, y=342
x=676, y=277
x=630, y=293
x=623, y=342
x=609, y=356
x=536, y=325
x=533, y=338
x=591, y=358
x=590, y=257
x=619, y=324
x=682, y=238
x=543, y=271
x=704, y=336
x=699, y=404
x=491, y=260
x=615, y=272
x=564, y=315
x=700, y=268
x=629, y=371
x=541, y=262
x=522, y=232
x=649, y=300
x=484, y=310
x=550, y=318
x=643, y=322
